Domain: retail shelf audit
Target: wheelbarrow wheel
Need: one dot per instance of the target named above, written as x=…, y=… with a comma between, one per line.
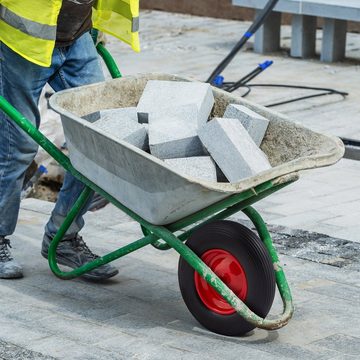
x=240, y=259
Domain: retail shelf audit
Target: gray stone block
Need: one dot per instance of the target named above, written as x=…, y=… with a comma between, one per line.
x=303, y=36
x=124, y=128
x=12, y=351
x=175, y=135
x=161, y=96
x=342, y=343
x=267, y=38
x=128, y=113
x=232, y=148
x=199, y=167
x=334, y=40
x=255, y=124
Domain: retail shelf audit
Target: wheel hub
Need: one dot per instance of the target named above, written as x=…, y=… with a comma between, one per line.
x=230, y=271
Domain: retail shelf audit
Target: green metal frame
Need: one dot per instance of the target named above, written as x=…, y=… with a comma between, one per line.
x=163, y=237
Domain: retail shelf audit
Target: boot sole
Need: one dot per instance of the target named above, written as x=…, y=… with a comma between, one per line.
x=63, y=261
x=17, y=276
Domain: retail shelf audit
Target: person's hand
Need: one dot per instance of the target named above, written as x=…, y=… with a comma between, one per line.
x=101, y=38
x=98, y=37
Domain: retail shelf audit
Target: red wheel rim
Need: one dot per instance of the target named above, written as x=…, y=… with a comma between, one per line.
x=230, y=271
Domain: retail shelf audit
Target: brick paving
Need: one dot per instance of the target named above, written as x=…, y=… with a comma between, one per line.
x=140, y=314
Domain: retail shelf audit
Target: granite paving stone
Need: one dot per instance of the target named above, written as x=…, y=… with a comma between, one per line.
x=234, y=151
x=124, y=128
x=11, y=351
x=255, y=124
x=159, y=97
x=174, y=134
x=348, y=345
x=198, y=167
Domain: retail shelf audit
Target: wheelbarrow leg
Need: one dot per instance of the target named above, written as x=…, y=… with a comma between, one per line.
x=265, y=236
x=75, y=210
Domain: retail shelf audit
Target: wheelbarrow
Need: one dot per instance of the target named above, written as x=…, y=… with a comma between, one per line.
x=227, y=273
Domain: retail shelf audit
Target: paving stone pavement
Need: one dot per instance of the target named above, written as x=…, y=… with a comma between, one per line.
x=140, y=314
x=322, y=200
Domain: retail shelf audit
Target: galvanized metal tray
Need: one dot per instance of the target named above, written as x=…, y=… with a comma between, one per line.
x=145, y=184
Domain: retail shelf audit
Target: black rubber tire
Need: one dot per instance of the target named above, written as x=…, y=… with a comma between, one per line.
x=251, y=253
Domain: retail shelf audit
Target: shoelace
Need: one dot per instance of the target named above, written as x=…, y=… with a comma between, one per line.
x=4, y=251
x=80, y=245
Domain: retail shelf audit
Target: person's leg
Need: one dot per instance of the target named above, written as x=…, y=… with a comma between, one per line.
x=21, y=83
x=81, y=67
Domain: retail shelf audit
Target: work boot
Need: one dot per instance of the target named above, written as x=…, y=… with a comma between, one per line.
x=74, y=253
x=9, y=268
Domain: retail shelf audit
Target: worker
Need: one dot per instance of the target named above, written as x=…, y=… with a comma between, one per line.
x=42, y=42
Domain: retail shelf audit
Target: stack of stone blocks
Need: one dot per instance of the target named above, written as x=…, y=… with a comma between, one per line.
x=171, y=121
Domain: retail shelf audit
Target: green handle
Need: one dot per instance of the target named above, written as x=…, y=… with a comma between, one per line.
x=109, y=61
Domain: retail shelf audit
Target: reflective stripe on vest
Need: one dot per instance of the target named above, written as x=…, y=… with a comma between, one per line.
x=119, y=18
x=135, y=25
x=32, y=28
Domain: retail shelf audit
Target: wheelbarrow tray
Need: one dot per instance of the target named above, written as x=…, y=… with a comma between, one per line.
x=147, y=185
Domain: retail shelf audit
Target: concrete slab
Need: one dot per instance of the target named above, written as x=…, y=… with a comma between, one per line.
x=118, y=113
x=124, y=128
x=199, y=167
x=334, y=40
x=323, y=200
x=267, y=38
x=255, y=124
x=303, y=36
x=347, y=344
x=160, y=97
x=234, y=151
x=175, y=134
x=11, y=351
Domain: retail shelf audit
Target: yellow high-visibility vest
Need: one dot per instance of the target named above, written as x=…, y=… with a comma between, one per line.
x=29, y=27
